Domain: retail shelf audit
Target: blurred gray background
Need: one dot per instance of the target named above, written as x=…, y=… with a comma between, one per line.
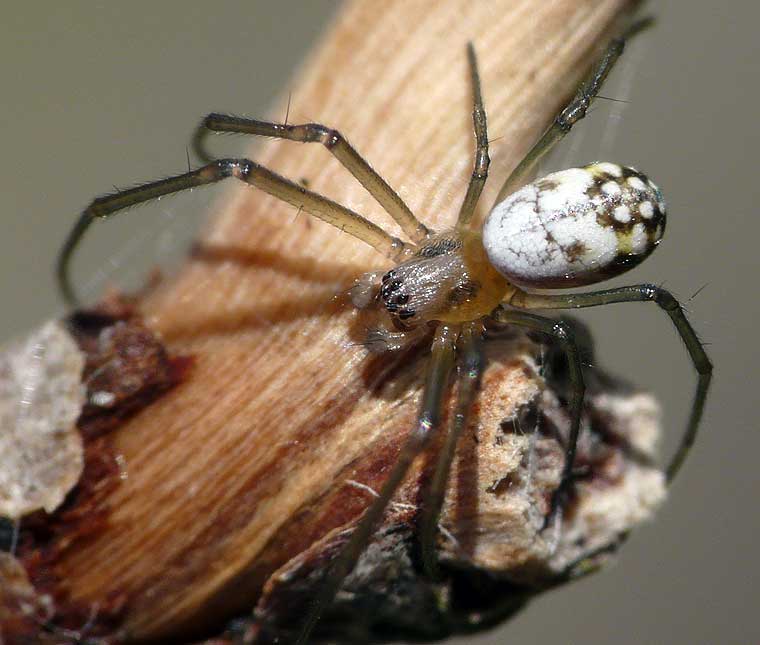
x=95, y=94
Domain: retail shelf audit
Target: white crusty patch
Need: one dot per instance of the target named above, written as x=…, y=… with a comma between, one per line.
x=572, y=185
x=646, y=209
x=622, y=214
x=611, y=188
x=639, y=241
x=41, y=397
x=610, y=168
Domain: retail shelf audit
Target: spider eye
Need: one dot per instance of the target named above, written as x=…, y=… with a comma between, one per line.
x=575, y=227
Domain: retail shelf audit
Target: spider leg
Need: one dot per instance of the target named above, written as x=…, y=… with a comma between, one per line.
x=482, y=160
x=338, y=147
x=572, y=112
x=562, y=332
x=671, y=306
x=470, y=371
x=436, y=382
x=248, y=172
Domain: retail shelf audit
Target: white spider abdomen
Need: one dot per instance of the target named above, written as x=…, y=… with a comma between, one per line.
x=575, y=227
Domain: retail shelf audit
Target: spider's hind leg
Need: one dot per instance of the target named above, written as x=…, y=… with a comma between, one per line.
x=436, y=384
x=469, y=373
x=665, y=301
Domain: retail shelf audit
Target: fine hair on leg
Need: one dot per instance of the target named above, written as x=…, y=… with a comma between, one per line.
x=482, y=160
x=247, y=171
x=573, y=112
x=336, y=143
x=470, y=370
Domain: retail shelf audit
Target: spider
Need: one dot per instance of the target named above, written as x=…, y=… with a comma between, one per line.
x=571, y=228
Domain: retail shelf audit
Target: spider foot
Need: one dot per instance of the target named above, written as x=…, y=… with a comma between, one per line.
x=560, y=499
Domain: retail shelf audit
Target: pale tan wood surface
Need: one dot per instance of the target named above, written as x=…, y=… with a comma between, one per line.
x=226, y=471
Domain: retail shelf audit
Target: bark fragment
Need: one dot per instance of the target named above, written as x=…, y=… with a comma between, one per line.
x=96, y=369
x=41, y=396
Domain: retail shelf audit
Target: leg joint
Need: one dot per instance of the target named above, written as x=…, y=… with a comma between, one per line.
x=422, y=430
x=661, y=296
x=240, y=168
x=482, y=162
x=328, y=137
x=98, y=208
x=472, y=364
x=563, y=332
x=573, y=113
x=666, y=300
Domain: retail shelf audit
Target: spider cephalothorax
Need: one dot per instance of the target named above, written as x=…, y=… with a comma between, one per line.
x=449, y=279
x=574, y=227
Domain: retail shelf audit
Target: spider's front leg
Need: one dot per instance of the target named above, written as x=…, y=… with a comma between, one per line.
x=246, y=171
x=336, y=143
x=482, y=160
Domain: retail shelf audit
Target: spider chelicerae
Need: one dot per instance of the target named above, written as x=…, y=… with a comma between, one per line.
x=571, y=228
